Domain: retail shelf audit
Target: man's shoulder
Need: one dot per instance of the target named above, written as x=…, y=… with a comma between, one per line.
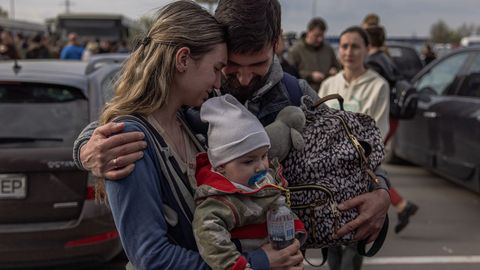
x=327, y=48
x=297, y=46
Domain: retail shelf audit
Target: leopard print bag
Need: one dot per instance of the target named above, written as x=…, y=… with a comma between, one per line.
x=341, y=151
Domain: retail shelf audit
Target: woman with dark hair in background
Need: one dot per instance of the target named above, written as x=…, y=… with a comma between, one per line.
x=379, y=61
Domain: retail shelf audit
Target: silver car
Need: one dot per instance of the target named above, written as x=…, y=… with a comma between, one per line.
x=48, y=214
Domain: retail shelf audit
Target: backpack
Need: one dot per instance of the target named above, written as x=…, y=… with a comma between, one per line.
x=403, y=95
x=342, y=149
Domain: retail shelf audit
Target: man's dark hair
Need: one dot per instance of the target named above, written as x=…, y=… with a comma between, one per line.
x=317, y=23
x=376, y=34
x=251, y=25
x=358, y=30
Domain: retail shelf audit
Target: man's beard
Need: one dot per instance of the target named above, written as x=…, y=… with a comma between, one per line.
x=231, y=85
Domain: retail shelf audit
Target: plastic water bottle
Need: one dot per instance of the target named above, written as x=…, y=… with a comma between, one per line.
x=280, y=224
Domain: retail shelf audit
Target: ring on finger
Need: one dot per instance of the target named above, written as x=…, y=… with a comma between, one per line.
x=115, y=163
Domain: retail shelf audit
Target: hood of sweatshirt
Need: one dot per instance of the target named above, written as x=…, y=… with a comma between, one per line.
x=365, y=79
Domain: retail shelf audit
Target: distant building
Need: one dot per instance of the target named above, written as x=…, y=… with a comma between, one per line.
x=91, y=26
x=23, y=27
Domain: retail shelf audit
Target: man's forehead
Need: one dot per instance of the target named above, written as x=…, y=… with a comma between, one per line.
x=245, y=59
x=316, y=30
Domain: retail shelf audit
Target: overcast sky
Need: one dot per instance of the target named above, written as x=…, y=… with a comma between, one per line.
x=400, y=17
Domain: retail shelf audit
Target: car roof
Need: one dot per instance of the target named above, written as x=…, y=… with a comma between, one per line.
x=426, y=69
x=71, y=73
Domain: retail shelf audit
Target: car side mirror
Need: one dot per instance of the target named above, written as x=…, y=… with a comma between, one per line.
x=425, y=93
x=424, y=98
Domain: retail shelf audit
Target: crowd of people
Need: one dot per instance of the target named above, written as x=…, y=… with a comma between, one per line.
x=41, y=46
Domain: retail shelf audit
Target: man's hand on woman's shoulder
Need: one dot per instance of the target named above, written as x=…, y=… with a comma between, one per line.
x=111, y=154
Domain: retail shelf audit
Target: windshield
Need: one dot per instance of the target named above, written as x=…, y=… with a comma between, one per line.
x=40, y=115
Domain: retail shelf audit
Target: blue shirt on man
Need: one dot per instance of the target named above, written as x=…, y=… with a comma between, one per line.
x=72, y=52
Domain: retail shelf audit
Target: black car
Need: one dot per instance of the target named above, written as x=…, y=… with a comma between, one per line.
x=48, y=212
x=406, y=58
x=444, y=136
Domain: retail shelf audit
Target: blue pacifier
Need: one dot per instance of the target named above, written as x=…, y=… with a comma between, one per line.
x=256, y=178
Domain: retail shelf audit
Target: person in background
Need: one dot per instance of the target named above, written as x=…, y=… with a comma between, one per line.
x=105, y=46
x=279, y=52
x=90, y=49
x=38, y=48
x=370, y=19
x=428, y=54
x=314, y=58
x=380, y=62
x=72, y=51
x=123, y=47
x=363, y=91
x=21, y=42
x=8, y=50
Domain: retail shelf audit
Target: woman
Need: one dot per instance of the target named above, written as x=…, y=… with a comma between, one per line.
x=363, y=91
x=177, y=64
x=379, y=61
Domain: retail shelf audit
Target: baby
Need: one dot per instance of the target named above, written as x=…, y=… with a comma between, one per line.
x=236, y=188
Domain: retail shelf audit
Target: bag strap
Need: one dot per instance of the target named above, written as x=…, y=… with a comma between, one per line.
x=293, y=88
x=324, y=258
x=200, y=146
x=169, y=166
x=377, y=244
x=329, y=97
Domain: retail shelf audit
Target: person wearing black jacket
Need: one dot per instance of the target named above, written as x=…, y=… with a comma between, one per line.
x=379, y=61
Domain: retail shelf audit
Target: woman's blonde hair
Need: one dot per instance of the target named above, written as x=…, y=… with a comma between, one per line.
x=147, y=76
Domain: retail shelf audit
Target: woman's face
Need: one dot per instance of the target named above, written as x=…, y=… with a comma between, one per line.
x=352, y=51
x=202, y=76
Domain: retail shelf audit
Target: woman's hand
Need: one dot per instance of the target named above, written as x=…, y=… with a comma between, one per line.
x=112, y=156
x=372, y=208
x=288, y=258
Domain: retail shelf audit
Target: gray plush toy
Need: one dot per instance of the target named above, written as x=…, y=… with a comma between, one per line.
x=285, y=132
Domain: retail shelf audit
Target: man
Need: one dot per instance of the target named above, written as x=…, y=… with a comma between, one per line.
x=253, y=75
x=314, y=59
x=72, y=51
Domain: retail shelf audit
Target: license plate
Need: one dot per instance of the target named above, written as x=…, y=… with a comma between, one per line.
x=13, y=186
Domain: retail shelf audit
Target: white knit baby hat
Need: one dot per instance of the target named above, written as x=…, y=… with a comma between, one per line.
x=233, y=131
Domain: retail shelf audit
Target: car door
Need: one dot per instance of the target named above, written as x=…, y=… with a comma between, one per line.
x=417, y=139
x=458, y=153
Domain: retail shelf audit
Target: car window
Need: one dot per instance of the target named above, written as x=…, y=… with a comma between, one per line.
x=40, y=115
x=108, y=85
x=471, y=84
x=439, y=78
x=406, y=59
